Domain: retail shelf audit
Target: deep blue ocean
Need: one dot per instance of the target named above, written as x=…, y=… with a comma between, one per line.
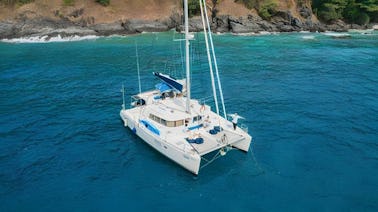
x=310, y=103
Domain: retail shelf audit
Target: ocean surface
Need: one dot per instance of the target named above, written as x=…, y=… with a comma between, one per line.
x=310, y=103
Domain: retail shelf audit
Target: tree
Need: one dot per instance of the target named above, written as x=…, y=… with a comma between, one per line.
x=352, y=11
x=193, y=7
x=267, y=9
x=331, y=10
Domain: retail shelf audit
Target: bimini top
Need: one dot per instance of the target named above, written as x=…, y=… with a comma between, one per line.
x=163, y=87
x=170, y=81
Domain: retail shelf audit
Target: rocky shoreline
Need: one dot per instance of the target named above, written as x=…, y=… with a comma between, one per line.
x=64, y=27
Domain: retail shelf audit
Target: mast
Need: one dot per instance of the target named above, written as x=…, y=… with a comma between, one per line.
x=215, y=61
x=187, y=56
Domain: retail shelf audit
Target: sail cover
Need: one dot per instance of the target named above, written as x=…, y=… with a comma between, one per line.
x=171, y=82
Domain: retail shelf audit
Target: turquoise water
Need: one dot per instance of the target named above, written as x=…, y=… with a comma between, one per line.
x=311, y=105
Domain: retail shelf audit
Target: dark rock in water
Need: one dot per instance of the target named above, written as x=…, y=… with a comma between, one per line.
x=337, y=26
x=195, y=24
x=283, y=20
x=41, y=27
x=244, y=25
x=109, y=29
x=7, y=29
x=222, y=23
x=356, y=26
x=75, y=23
x=138, y=26
x=286, y=28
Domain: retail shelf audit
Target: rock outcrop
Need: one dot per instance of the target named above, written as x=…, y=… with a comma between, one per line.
x=227, y=16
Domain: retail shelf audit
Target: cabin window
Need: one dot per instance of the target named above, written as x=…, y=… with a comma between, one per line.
x=197, y=118
x=157, y=119
x=165, y=122
x=179, y=123
x=170, y=123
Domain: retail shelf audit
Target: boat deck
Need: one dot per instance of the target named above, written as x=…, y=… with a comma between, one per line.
x=214, y=142
x=173, y=108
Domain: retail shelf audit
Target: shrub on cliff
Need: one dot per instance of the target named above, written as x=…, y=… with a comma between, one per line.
x=332, y=11
x=12, y=2
x=265, y=8
x=193, y=7
x=68, y=2
x=352, y=11
x=103, y=2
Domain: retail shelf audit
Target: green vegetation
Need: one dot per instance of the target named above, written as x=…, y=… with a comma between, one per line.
x=352, y=11
x=68, y=2
x=194, y=8
x=12, y=2
x=103, y=2
x=265, y=8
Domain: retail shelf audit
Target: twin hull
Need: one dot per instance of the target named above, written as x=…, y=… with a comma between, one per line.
x=187, y=159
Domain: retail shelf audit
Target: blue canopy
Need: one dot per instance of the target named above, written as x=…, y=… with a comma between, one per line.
x=163, y=87
x=170, y=81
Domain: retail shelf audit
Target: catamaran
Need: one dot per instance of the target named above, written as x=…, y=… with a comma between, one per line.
x=183, y=129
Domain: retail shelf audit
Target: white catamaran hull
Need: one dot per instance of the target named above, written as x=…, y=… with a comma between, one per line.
x=187, y=159
x=243, y=144
x=184, y=129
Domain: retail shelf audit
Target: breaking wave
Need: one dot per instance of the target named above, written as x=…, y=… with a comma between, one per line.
x=49, y=39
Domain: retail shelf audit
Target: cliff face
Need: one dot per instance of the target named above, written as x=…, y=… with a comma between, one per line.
x=285, y=16
x=86, y=17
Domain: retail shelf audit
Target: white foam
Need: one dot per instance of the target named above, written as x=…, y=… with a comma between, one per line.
x=47, y=39
x=256, y=34
x=362, y=31
x=337, y=34
x=265, y=33
x=244, y=34
x=308, y=37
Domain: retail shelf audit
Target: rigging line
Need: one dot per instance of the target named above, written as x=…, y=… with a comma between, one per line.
x=256, y=163
x=123, y=97
x=215, y=61
x=137, y=57
x=187, y=61
x=209, y=60
x=181, y=56
x=173, y=63
x=182, y=59
x=208, y=162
